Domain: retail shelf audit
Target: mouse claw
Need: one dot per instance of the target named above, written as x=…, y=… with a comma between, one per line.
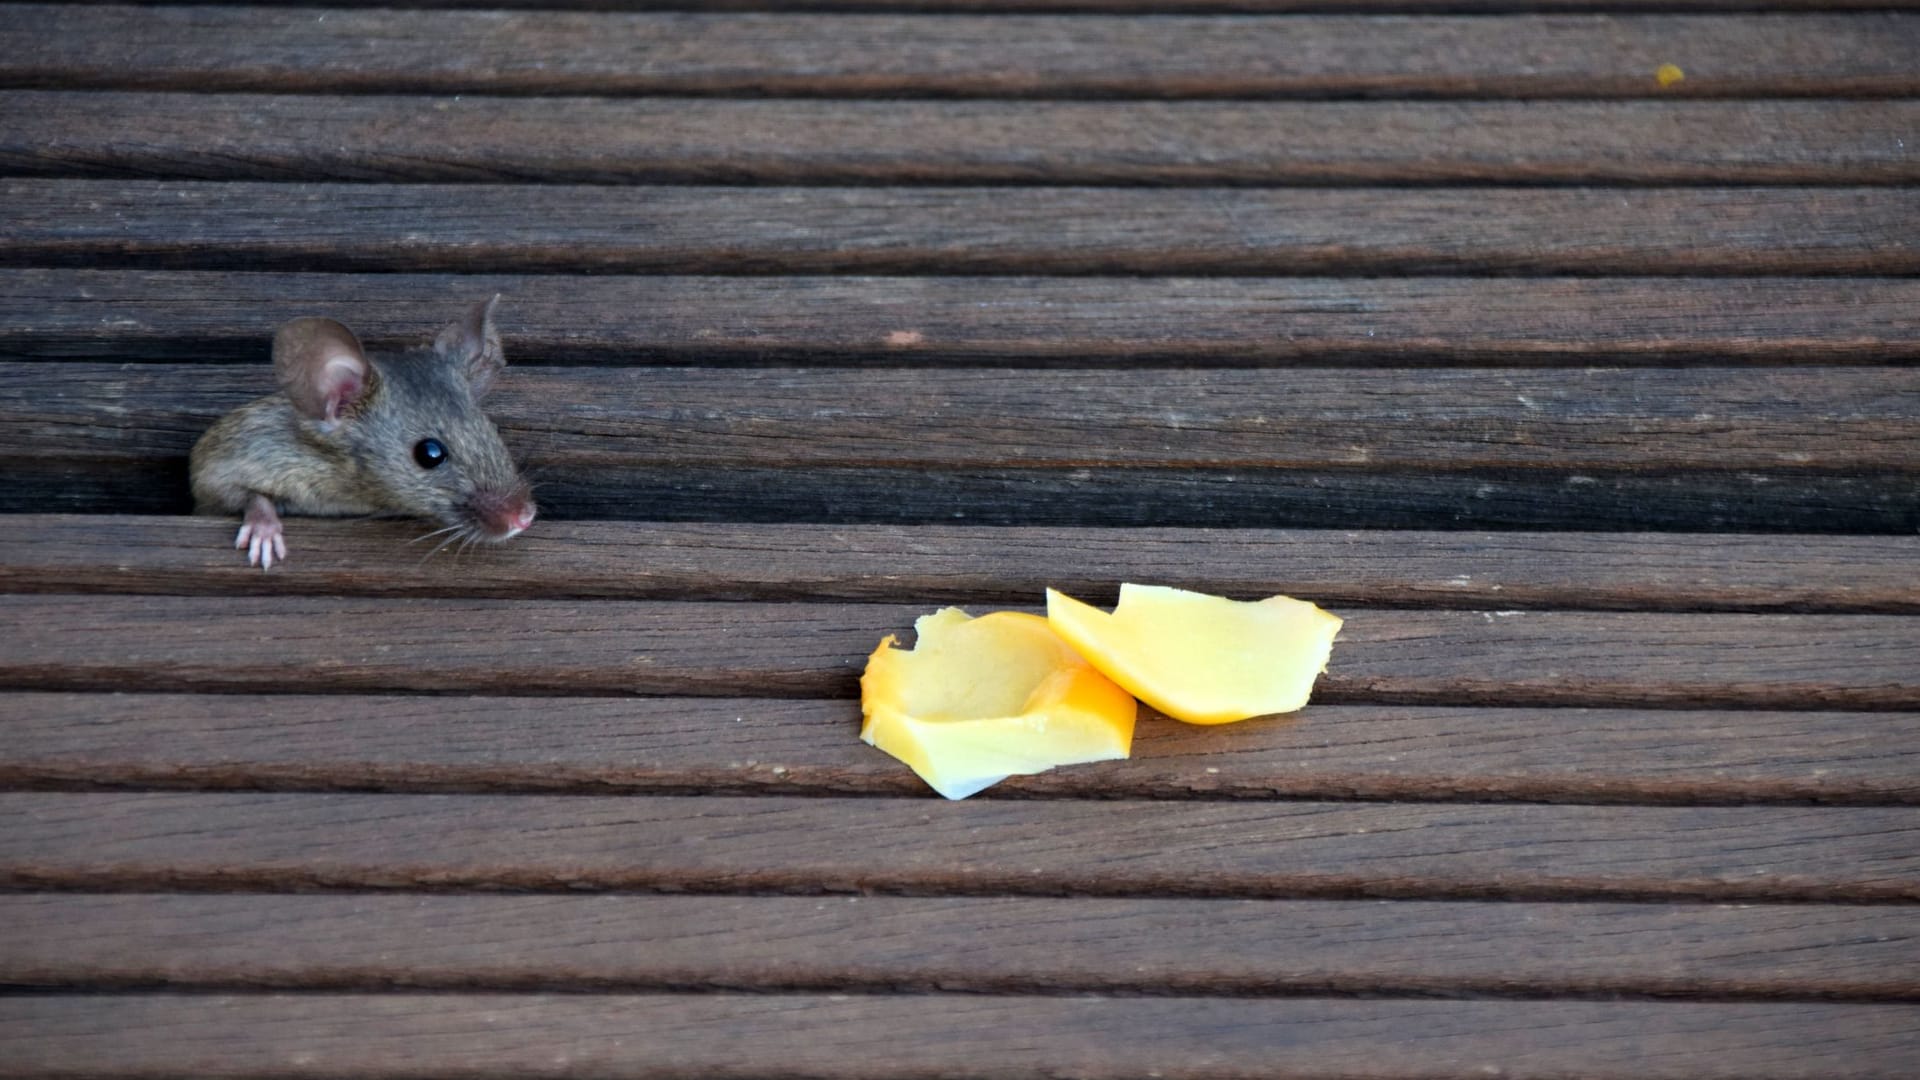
x=262, y=535
x=263, y=549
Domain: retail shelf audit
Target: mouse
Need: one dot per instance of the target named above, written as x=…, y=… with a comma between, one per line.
x=354, y=434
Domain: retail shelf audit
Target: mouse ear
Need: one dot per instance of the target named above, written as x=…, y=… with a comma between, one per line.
x=474, y=344
x=321, y=367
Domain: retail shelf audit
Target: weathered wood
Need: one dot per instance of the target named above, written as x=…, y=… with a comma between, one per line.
x=271, y=842
x=284, y=50
x=1028, y=321
x=1793, y=449
x=600, y=140
x=1836, y=420
x=1752, y=502
x=492, y=228
x=964, y=564
x=704, y=745
x=998, y=945
x=157, y=315
x=808, y=650
x=640, y=1037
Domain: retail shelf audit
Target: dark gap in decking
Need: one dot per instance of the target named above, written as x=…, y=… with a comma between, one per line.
x=1104, y=7
x=1771, y=699
x=17, y=258
x=405, y=781
x=16, y=879
x=1362, y=989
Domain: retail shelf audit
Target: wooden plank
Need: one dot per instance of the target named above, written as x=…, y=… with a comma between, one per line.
x=703, y=745
x=988, y=944
x=639, y=1037
x=274, y=842
x=599, y=140
x=979, y=565
x=493, y=228
x=920, y=321
x=1837, y=420
x=621, y=647
x=284, y=50
x=1795, y=503
x=1793, y=449
x=155, y=315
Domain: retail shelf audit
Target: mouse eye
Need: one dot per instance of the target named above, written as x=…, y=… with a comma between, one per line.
x=429, y=453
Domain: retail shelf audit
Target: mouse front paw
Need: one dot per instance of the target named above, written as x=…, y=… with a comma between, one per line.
x=262, y=535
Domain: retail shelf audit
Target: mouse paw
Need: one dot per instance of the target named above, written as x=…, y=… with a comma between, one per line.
x=262, y=535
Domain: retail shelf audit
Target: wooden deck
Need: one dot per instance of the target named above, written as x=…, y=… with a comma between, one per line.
x=1589, y=401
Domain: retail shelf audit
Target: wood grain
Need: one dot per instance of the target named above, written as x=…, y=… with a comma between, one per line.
x=1795, y=503
x=254, y=842
x=622, y=141
x=289, y=742
x=972, y=564
x=816, y=650
x=1024, y=321
x=1791, y=449
x=959, y=1036
x=500, y=228
x=988, y=944
x=1835, y=420
x=284, y=50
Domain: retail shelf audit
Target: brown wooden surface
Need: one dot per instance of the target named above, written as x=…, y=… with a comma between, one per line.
x=288, y=50
x=600, y=140
x=808, y=650
x=981, y=944
x=982, y=565
x=959, y=1036
x=1035, y=321
x=1791, y=448
x=496, y=228
x=251, y=842
x=1858, y=421
x=291, y=742
x=1634, y=801
x=1708, y=502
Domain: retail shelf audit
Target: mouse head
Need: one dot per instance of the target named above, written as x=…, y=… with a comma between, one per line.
x=410, y=427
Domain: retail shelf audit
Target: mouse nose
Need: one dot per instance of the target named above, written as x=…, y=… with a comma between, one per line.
x=503, y=515
x=518, y=520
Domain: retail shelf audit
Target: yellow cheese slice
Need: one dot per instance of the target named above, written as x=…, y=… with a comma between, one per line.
x=1199, y=658
x=978, y=700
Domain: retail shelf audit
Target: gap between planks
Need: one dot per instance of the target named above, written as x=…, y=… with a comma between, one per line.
x=283, y=50
x=756, y=746
x=1131, y=7
x=996, y=945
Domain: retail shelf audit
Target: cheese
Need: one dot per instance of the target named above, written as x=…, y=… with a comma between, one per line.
x=1199, y=658
x=978, y=700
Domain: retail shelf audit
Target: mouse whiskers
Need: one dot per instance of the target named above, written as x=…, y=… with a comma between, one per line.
x=463, y=534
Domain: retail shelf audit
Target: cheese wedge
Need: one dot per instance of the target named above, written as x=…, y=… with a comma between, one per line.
x=978, y=700
x=1199, y=658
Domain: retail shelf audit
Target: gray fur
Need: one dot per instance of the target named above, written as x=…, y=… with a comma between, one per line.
x=363, y=464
